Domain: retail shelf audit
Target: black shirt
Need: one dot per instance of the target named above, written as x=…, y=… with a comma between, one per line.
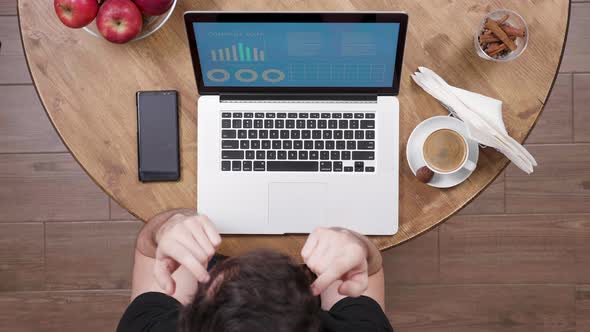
x=158, y=312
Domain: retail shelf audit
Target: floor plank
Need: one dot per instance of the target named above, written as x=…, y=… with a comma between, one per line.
x=582, y=107
x=556, y=122
x=513, y=248
x=38, y=187
x=489, y=308
x=583, y=251
x=24, y=124
x=21, y=257
x=561, y=183
x=549, y=195
x=89, y=255
x=583, y=308
x=96, y=311
x=490, y=201
x=10, y=36
x=13, y=70
x=120, y=213
x=577, y=50
x=414, y=262
x=7, y=7
x=13, y=67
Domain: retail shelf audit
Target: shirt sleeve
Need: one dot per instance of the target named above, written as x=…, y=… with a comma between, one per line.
x=151, y=312
x=361, y=314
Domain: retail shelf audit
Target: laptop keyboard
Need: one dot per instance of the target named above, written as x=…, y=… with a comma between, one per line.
x=298, y=141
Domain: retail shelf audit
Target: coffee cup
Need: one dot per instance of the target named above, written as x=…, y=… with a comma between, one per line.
x=445, y=151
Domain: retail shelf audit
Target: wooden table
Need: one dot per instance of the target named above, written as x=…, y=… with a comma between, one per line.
x=88, y=85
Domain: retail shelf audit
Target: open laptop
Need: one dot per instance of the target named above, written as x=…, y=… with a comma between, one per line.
x=298, y=123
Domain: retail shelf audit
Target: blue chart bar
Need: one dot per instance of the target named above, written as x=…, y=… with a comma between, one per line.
x=236, y=53
x=241, y=51
x=247, y=53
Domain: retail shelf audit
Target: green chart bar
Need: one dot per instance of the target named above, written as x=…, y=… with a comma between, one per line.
x=241, y=51
x=247, y=53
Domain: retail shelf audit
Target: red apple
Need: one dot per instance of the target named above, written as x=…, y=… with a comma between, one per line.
x=153, y=7
x=76, y=13
x=119, y=21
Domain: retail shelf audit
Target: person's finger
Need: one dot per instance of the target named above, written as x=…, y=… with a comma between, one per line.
x=354, y=287
x=184, y=257
x=309, y=246
x=323, y=281
x=195, y=267
x=199, y=235
x=189, y=242
x=317, y=260
x=211, y=231
x=163, y=269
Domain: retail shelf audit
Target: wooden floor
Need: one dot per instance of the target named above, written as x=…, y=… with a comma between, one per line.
x=517, y=259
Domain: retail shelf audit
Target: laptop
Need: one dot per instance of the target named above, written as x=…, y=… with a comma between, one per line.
x=298, y=119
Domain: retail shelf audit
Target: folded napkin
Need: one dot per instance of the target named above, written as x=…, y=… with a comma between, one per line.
x=482, y=115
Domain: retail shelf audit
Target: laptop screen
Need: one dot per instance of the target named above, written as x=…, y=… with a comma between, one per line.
x=297, y=52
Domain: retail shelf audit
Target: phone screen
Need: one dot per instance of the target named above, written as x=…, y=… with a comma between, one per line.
x=157, y=127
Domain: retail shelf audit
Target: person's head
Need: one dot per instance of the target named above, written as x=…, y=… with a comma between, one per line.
x=259, y=291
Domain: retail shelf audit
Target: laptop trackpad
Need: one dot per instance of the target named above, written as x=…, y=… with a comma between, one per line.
x=297, y=207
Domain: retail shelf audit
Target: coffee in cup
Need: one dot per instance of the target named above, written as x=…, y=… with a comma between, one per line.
x=445, y=151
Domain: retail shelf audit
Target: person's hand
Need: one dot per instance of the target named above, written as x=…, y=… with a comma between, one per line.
x=336, y=254
x=188, y=240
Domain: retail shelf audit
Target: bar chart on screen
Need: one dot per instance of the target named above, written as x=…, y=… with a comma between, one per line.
x=238, y=52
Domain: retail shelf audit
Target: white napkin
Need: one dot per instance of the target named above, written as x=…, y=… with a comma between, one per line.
x=481, y=114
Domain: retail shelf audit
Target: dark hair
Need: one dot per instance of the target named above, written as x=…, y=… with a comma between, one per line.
x=256, y=292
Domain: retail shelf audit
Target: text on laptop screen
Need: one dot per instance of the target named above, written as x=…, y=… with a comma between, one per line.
x=297, y=54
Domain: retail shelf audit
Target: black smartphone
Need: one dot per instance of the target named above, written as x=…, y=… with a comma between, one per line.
x=157, y=136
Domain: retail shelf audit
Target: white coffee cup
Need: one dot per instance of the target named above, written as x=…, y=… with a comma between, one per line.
x=447, y=139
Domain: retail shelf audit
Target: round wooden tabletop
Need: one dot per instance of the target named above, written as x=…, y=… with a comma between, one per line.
x=88, y=86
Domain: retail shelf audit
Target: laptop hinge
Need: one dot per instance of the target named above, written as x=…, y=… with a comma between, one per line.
x=297, y=98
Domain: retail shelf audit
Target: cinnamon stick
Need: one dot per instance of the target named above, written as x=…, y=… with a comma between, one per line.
x=493, y=46
x=488, y=39
x=512, y=31
x=499, y=49
x=492, y=25
x=503, y=19
x=491, y=39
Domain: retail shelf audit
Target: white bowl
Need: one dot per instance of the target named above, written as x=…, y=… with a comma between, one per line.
x=151, y=24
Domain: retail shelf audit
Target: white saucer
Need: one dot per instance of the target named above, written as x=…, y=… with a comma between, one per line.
x=417, y=138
